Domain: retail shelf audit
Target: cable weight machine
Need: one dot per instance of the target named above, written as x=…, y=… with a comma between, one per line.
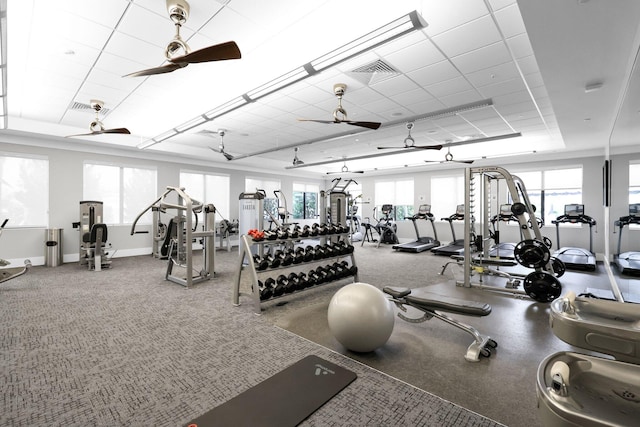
x=532, y=252
x=180, y=253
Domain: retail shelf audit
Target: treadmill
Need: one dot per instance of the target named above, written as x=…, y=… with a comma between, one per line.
x=456, y=247
x=628, y=262
x=572, y=257
x=421, y=244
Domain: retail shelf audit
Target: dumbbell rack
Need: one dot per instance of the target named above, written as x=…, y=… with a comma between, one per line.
x=246, y=243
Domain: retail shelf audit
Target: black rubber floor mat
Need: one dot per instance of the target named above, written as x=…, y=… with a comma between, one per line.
x=285, y=399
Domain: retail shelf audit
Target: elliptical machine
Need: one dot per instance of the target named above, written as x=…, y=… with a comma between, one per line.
x=385, y=227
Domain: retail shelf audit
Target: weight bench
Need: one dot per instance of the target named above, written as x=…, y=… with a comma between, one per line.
x=432, y=305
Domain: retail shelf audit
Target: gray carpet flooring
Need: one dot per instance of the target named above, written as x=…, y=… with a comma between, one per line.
x=125, y=347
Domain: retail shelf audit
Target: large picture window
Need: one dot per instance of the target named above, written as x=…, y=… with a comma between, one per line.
x=305, y=201
x=397, y=193
x=208, y=188
x=447, y=192
x=124, y=191
x=550, y=190
x=24, y=191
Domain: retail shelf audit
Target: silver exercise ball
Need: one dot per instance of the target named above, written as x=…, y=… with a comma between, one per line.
x=360, y=317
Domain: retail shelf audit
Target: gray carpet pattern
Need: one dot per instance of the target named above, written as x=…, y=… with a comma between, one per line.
x=125, y=347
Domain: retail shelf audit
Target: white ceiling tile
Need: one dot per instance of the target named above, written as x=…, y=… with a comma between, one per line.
x=449, y=87
x=502, y=88
x=499, y=4
x=395, y=85
x=468, y=37
x=528, y=64
x=482, y=58
x=441, y=18
x=416, y=55
x=492, y=75
x=105, y=13
x=510, y=21
x=520, y=45
x=135, y=50
x=148, y=26
x=442, y=71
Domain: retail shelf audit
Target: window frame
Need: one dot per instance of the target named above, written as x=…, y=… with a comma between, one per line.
x=43, y=216
x=146, y=219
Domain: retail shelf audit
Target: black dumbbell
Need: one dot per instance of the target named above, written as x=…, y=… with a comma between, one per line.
x=330, y=250
x=305, y=232
x=341, y=269
x=298, y=255
x=273, y=285
x=323, y=274
x=260, y=264
x=286, y=257
x=295, y=232
x=313, y=279
x=309, y=253
x=294, y=282
x=270, y=235
x=283, y=281
x=332, y=273
x=318, y=252
x=274, y=261
x=303, y=282
x=265, y=291
x=353, y=270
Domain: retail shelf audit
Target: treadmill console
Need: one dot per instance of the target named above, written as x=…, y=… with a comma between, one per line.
x=574, y=210
x=424, y=209
x=460, y=210
x=634, y=210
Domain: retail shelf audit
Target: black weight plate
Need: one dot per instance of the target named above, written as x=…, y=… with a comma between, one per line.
x=542, y=286
x=558, y=267
x=518, y=208
x=532, y=253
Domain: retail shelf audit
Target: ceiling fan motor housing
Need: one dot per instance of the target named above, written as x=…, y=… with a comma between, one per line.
x=178, y=11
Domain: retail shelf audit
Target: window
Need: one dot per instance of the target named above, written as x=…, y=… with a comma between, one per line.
x=124, y=191
x=305, y=201
x=24, y=191
x=251, y=185
x=447, y=192
x=550, y=190
x=634, y=183
x=208, y=188
x=397, y=193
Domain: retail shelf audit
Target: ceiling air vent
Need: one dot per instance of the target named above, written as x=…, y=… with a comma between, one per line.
x=374, y=72
x=80, y=106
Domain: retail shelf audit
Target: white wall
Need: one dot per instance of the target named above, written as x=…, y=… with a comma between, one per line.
x=65, y=193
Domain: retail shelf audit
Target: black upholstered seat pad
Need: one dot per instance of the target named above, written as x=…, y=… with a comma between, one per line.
x=431, y=301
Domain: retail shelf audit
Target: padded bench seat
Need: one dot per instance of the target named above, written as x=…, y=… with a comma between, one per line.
x=439, y=302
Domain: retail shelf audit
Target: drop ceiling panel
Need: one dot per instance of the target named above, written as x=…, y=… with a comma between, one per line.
x=469, y=37
x=510, y=21
x=449, y=87
x=155, y=29
x=435, y=73
x=145, y=53
x=520, y=46
x=440, y=19
x=483, y=58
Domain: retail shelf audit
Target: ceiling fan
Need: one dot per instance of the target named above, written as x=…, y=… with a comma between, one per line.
x=96, y=127
x=179, y=12
x=340, y=115
x=296, y=160
x=344, y=169
x=409, y=142
x=220, y=148
x=448, y=158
